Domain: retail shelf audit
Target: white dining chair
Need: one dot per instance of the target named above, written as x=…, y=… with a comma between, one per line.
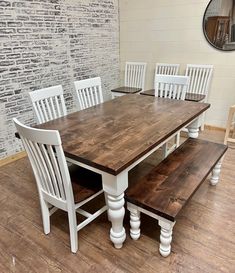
x=167, y=69
x=57, y=187
x=171, y=87
x=135, y=74
x=200, y=79
x=89, y=92
x=134, y=77
x=48, y=103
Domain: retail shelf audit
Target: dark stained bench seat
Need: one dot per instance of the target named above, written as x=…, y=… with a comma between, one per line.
x=164, y=191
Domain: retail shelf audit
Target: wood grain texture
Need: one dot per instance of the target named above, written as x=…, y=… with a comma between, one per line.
x=204, y=237
x=112, y=135
x=168, y=187
x=188, y=96
x=126, y=90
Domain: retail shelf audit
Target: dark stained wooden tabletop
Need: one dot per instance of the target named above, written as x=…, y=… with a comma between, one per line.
x=112, y=135
x=188, y=96
x=127, y=90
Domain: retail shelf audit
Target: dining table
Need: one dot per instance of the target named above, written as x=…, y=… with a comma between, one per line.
x=113, y=137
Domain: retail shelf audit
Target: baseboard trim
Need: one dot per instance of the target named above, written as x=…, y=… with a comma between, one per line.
x=12, y=158
x=215, y=128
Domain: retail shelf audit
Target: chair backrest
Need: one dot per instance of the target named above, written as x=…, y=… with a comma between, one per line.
x=89, y=92
x=48, y=103
x=49, y=165
x=171, y=86
x=135, y=74
x=200, y=78
x=167, y=69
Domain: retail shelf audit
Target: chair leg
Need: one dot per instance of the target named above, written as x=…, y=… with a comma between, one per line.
x=215, y=173
x=45, y=216
x=134, y=221
x=165, y=237
x=73, y=230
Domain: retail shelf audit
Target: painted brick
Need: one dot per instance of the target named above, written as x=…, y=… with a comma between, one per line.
x=7, y=30
x=14, y=24
x=50, y=42
x=5, y=4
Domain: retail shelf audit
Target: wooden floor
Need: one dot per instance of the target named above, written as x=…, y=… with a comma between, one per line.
x=204, y=235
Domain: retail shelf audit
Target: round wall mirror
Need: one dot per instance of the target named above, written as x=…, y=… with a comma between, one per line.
x=219, y=24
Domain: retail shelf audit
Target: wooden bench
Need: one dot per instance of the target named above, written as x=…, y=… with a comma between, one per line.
x=164, y=191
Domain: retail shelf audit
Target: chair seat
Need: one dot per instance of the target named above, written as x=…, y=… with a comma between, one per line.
x=85, y=183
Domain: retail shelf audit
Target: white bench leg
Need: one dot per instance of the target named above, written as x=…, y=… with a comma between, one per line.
x=165, y=237
x=134, y=221
x=215, y=173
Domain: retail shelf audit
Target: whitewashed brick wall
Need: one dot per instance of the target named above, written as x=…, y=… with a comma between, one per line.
x=50, y=42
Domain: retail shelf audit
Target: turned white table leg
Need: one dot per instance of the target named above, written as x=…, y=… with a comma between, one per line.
x=215, y=173
x=114, y=187
x=116, y=214
x=193, y=129
x=134, y=221
x=165, y=237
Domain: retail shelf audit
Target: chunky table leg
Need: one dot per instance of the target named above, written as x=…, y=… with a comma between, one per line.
x=116, y=214
x=165, y=237
x=114, y=187
x=193, y=129
x=215, y=173
x=134, y=221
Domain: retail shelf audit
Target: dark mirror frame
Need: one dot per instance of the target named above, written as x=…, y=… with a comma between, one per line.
x=205, y=34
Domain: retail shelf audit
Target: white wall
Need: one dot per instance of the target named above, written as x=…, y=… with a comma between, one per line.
x=171, y=31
